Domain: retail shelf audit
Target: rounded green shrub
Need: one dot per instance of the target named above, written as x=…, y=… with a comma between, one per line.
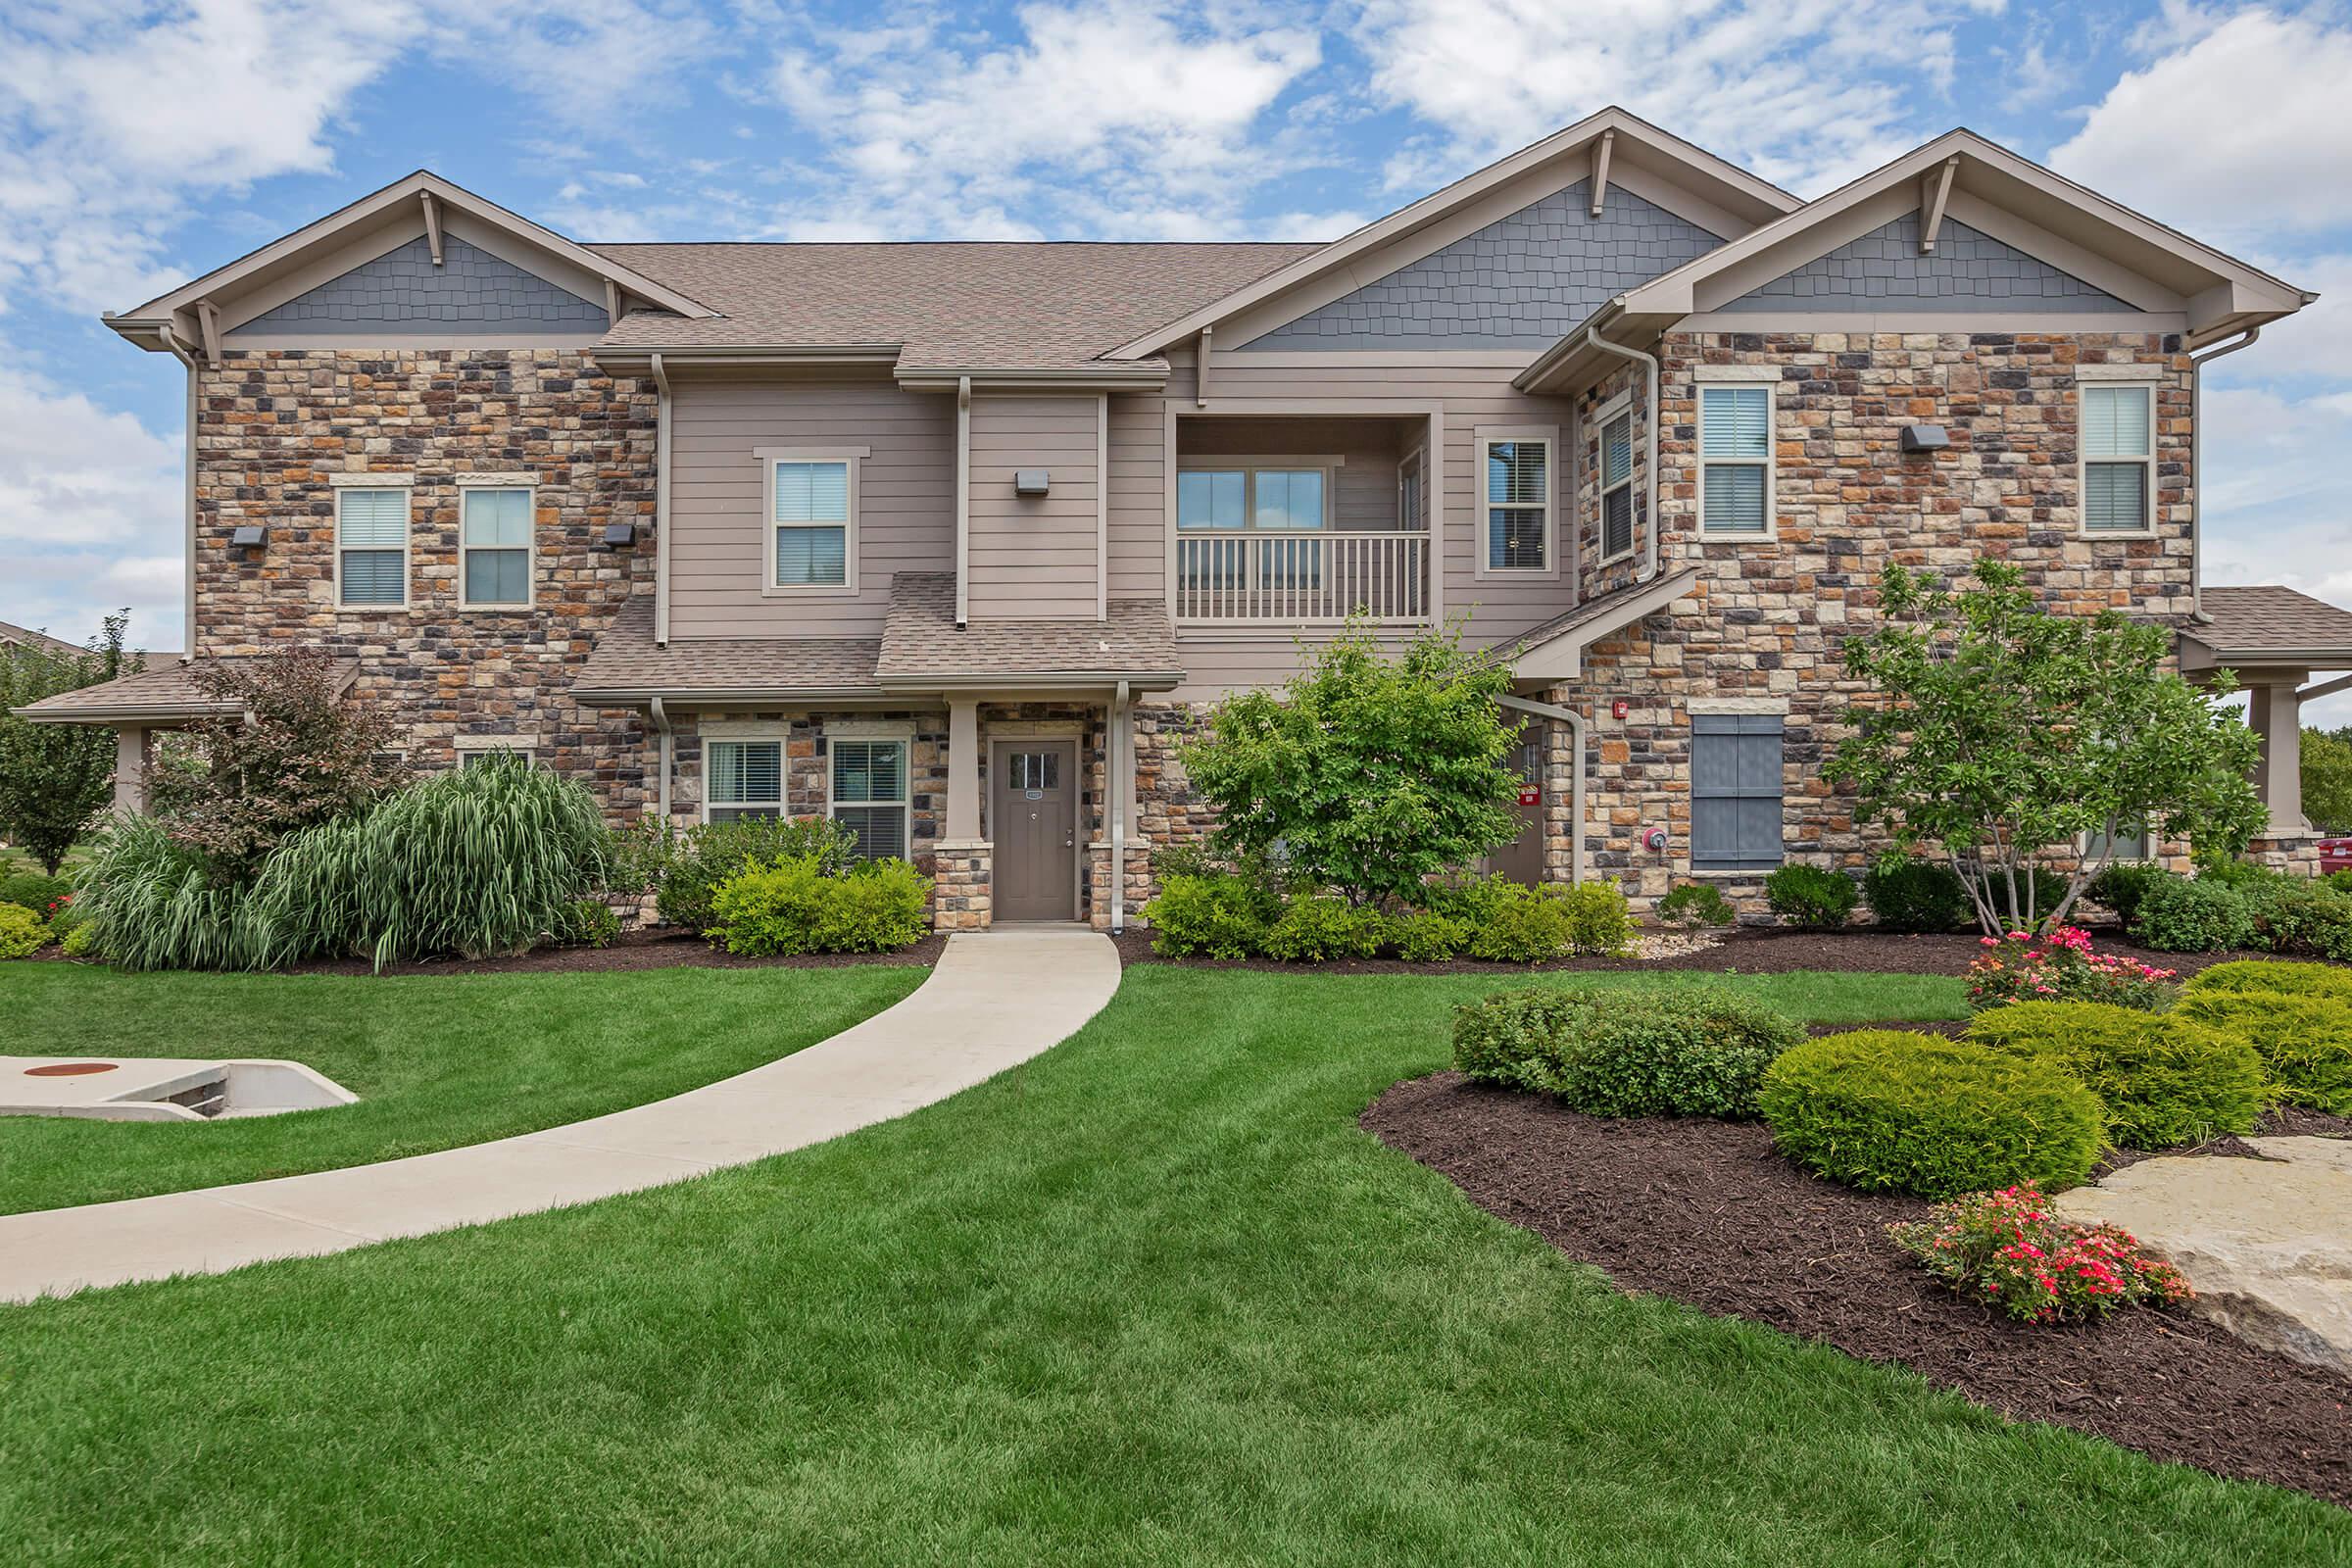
x=2305, y=1041
x=793, y=905
x=586, y=924
x=1912, y=895
x=1612, y=1053
x=1811, y=895
x=23, y=933
x=1886, y=1110
x=1317, y=930
x=2123, y=886
x=80, y=943
x=1692, y=905
x=688, y=872
x=2164, y=1080
x=2193, y=914
x=2274, y=975
x=1532, y=924
x=1514, y=1038
x=33, y=889
x=1217, y=917
x=2301, y=915
x=1427, y=937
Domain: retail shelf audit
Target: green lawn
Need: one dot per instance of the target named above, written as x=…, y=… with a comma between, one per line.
x=1150, y=1299
x=436, y=1061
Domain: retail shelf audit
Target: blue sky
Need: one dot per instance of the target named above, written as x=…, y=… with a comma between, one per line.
x=140, y=145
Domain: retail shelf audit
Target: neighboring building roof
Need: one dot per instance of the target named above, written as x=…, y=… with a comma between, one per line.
x=13, y=635
x=628, y=668
x=2272, y=624
x=945, y=306
x=152, y=696
x=922, y=646
x=1555, y=650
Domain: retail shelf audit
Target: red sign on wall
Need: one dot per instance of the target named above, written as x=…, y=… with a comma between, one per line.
x=1529, y=796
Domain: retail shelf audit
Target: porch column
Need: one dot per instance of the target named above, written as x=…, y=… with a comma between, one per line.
x=2276, y=711
x=131, y=769
x=962, y=881
x=964, y=772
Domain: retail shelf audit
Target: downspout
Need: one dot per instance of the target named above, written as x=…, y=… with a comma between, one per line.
x=963, y=501
x=661, y=536
x=1649, y=445
x=665, y=741
x=187, y=637
x=1119, y=742
x=2196, y=473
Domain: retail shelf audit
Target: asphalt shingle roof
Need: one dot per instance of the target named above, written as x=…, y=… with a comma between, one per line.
x=921, y=639
x=170, y=691
x=2272, y=619
x=628, y=665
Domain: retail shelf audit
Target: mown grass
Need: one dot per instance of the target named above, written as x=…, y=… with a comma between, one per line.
x=436, y=1061
x=1152, y=1299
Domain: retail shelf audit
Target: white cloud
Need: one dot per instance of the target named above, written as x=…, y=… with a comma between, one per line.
x=2243, y=131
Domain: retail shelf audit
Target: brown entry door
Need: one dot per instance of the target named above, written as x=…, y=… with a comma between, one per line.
x=1033, y=821
x=1522, y=859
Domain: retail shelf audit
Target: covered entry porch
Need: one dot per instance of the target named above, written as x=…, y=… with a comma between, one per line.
x=2284, y=649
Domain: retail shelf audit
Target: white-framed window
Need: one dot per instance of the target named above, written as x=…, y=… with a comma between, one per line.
x=742, y=777
x=866, y=792
x=1736, y=461
x=495, y=555
x=1514, y=498
x=2127, y=843
x=372, y=547
x=472, y=749
x=812, y=529
x=1272, y=495
x=1616, y=485
x=2119, y=457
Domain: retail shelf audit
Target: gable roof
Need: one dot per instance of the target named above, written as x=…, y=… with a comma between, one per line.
x=16, y=636
x=2269, y=624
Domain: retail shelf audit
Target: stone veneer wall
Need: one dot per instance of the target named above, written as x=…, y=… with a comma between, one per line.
x=274, y=424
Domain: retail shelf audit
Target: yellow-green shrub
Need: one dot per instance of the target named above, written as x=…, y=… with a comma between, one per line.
x=793, y=905
x=2306, y=1042
x=2164, y=1079
x=21, y=932
x=2276, y=975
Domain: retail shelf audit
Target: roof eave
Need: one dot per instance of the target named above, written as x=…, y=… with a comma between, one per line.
x=640, y=696
x=1560, y=657
x=909, y=682
x=130, y=713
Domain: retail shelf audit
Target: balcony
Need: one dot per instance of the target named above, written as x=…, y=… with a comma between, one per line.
x=1302, y=578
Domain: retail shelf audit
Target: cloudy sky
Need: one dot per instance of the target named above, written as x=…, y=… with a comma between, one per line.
x=142, y=144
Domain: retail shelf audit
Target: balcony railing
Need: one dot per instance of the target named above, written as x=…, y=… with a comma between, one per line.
x=1302, y=577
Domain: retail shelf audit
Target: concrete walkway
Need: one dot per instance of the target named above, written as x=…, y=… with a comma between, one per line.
x=995, y=1000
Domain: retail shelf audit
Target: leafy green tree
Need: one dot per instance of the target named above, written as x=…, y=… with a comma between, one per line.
x=56, y=779
x=2004, y=733
x=2328, y=778
x=1366, y=774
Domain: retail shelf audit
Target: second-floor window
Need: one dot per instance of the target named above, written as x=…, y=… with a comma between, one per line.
x=497, y=546
x=1517, y=483
x=372, y=547
x=1617, y=487
x=1735, y=459
x=1243, y=496
x=812, y=524
x=2118, y=457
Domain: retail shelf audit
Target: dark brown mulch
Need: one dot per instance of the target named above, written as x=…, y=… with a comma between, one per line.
x=663, y=948
x=1750, y=950
x=1705, y=1212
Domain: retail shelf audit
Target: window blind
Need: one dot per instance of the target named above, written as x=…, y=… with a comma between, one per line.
x=1616, y=485
x=2115, y=422
x=869, y=795
x=1518, y=498
x=371, y=531
x=744, y=778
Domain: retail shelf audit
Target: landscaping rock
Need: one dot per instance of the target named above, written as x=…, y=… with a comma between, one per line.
x=2266, y=1243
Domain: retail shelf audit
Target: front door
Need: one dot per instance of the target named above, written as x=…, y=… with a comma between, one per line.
x=1522, y=859
x=1033, y=821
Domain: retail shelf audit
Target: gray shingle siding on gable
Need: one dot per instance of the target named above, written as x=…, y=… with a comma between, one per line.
x=1970, y=271
x=472, y=292
x=1518, y=283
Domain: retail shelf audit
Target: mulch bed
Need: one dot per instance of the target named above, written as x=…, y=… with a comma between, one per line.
x=663, y=948
x=1705, y=1212
x=1758, y=949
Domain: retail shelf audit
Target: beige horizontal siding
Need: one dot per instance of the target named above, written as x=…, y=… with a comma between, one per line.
x=1034, y=557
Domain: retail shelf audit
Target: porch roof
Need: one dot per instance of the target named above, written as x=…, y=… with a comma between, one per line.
x=627, y=669
x=2268, y=624
x=1555, y=650
x=923, y=648
x=162, y=696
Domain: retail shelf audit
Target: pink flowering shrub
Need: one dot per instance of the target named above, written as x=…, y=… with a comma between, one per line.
x=2007, y=1249
x=2060, y=966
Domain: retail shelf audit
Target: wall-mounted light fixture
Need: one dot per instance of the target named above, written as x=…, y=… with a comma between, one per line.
x=617, y=536
x=249, y=536
x=1030, y=481
x=1926, y=438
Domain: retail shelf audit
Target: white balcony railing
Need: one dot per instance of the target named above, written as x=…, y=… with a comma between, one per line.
x=1302, y=577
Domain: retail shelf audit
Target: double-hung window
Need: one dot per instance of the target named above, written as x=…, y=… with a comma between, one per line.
x=812, y=524
x=1617, y=486
x=372, y=547
x=2119, y=457
x=1735, y=803
x=496, y=523
x=1515, y=495
x=870, y=794
x=742, y=778
x=1734, y=460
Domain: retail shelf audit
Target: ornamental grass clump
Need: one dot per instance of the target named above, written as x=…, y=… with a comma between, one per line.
x=2164, y=1080
x=2006, y=1250
x=2061, y=966
x=1886, y=1110
x=150, y=903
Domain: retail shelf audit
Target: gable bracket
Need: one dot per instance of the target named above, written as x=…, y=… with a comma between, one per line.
x=208, y=325
x=1600, y=169
x=432, y=225
x=1935, y=191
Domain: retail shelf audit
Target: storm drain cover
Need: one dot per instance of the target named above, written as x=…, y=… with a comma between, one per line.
x=71, y=1069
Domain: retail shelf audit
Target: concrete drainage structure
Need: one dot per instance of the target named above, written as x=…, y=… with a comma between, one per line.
x=161, y=1088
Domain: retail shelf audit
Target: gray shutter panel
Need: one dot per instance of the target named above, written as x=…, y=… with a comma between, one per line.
x=1737, y=806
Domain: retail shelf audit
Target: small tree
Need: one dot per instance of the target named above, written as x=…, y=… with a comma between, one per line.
x=1370, y=773
x=292, y=752
x=2004, y=734
x=56, y=779
x=2328, y=778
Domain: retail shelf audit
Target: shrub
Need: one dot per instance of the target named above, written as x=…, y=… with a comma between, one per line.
x=1532, y=924
x=1696, y=1053
x=1317, y=930
x=2193, y=914
x=23, y=933
x=586, y=924
x=2306, y=1042
x=2296, y=914
x=1600, y=923
x=2164, y=1079
x=2062, y=966
x=687, y=878
x=1221, y=917
x=793, y=905
x=1468, y=900
x=65, y=915
x=35, y=891
x=1428, y=937
x=2006, y=1249
x=1885, y=1111
x=1693, y=905
x=80, y=943
x=1913, y=895
x=1810, y=895
x=2274, y=975
x=1513, y=1038
x=56, y=780
x=2123, y=886
x=154, y=906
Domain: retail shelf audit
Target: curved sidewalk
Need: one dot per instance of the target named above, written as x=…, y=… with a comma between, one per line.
x=995, y=1000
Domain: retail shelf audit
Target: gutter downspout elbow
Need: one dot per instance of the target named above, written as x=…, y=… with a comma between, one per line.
x=2197, y=472
x=662, y=444
x=1121, y=741
x=1649, y=445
